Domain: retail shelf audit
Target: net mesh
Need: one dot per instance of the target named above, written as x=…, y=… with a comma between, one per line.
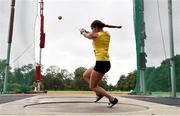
x=25, y=42
x=157, y=45
x=22, y=57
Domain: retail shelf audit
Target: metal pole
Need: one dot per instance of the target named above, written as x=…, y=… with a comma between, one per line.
x=142, y=79
x=140, y=36
x=41, y=29
x=42, y=38
x=142, y=83
x=40, y=54
x=172, y=64
x=142, y=47
x=9, y=45
x=39, y=82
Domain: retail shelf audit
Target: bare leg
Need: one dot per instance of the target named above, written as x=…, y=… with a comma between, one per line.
x=87, y=74
x=94, y=80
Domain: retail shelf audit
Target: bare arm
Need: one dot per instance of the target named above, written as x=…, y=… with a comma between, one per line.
x=90, y=35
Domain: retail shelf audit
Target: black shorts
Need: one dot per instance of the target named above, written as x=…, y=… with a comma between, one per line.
x=102, y=66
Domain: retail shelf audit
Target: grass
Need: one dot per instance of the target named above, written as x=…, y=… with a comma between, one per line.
x=84, y=92
x=164, y=94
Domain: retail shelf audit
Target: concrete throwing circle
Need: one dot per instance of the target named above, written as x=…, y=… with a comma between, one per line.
x=83, y=107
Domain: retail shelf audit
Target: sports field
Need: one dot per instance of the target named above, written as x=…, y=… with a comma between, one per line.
x=84, y=92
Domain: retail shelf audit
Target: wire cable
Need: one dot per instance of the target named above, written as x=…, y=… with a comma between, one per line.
x=23, y=53
x=162, y=37
x=37, y=17
x=160, y=24
x=32, y=44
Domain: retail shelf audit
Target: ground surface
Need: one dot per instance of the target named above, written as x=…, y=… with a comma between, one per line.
x=83, y=105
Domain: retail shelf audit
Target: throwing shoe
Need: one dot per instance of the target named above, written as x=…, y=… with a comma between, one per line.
x=98, y=97
x=112, y=103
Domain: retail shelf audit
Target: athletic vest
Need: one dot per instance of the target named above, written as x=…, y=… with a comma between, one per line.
x=101, y=46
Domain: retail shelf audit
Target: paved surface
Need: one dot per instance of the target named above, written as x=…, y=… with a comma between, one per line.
x=13, y=97
x=161, y=100
x=82, y=105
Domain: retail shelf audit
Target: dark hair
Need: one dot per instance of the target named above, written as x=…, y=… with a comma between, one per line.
x=100, y=24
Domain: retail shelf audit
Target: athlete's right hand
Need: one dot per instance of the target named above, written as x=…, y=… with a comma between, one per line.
x=82, y=30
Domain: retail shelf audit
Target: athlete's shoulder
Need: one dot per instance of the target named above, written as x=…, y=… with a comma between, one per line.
x=103, y=33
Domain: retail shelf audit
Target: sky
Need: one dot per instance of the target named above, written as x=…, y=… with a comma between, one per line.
x=157, y=30
x=71, y=49
x=66, y=48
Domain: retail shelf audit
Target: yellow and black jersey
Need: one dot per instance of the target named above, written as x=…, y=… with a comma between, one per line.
x=101, y=46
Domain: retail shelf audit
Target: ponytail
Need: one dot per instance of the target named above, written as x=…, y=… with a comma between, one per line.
x=112, y=26
x=98, y=23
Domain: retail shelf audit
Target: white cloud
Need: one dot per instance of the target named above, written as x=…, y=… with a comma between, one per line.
x=69, y=49
x=65, y=47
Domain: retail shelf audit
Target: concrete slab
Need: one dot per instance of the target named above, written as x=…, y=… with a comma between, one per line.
x=4, y=98
x=82, y=105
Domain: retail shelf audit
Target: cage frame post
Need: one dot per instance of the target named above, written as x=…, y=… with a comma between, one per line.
x=10, y=34
x=140, y=36
x=171, y=44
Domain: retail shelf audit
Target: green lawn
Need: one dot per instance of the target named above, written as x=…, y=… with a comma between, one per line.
x=164, y=94
x=84, y=92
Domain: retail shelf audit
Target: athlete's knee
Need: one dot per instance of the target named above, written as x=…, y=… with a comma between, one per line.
x=92, y=86
x=85, y=76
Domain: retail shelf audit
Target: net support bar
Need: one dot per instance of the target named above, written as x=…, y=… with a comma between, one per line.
x=9, y=45
x=172, y=64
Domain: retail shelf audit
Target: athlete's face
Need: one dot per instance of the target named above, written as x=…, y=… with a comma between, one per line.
x=95, y=29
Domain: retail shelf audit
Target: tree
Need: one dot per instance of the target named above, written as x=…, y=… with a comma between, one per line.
x=18, y=76
x=67, y=79
x=24, y=75
x=2, y=70
x=111, y=87
x=78, y=82
x=121, y=83
x=53, y=79
x=131, y=78
x=127, y=83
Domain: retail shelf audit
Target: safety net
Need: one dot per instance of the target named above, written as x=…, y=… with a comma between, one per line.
x=157, y=44
x=66, y=47
x=20, y=73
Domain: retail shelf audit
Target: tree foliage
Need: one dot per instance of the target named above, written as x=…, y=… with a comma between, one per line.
x=126, y=83
x=22, y=78
x=156, y=78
